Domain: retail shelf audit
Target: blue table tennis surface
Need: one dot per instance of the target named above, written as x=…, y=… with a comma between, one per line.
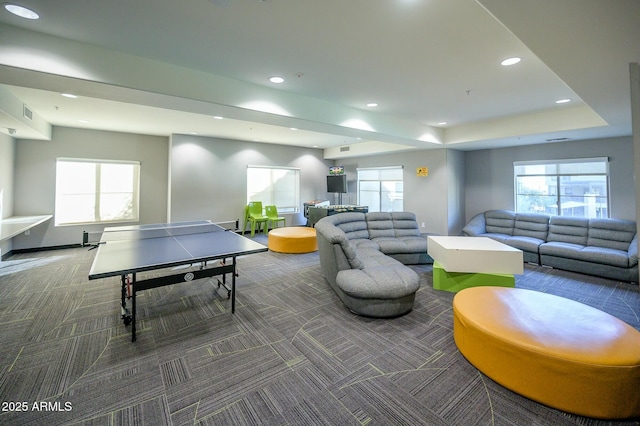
x=130, y=249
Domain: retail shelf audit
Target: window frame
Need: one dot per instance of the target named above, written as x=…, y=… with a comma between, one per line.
x=98, y=192
x=561, y=169
x=380, y=181
x=293, y=206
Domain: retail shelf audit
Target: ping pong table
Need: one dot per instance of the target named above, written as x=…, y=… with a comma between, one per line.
x=126, y=251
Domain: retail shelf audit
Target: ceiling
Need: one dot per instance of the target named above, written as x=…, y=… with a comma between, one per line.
x=162, y=67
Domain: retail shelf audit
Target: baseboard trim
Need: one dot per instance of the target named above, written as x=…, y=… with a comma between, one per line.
x=36, y=249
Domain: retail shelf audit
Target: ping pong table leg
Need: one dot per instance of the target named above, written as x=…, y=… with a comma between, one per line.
x=133, y=307
x=123, y=301
x=233, y=285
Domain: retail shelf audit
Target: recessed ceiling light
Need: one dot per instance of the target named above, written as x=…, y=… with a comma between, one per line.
x=510, y=61
x=20, y=11
x=293, y=128
x=563, y=101
x=277, y=80
x=217, y=117
x=69, y=95
x=83, y=121
x=372, y=104
x=442, y=123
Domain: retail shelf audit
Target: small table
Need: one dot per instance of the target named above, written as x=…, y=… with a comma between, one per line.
x=462, y=262
x=16, y=225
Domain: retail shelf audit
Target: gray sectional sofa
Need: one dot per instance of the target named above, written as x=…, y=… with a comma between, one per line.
x=363, y=257
x=603, y=247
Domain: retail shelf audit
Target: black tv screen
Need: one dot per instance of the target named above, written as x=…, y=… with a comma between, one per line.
x=337, y=183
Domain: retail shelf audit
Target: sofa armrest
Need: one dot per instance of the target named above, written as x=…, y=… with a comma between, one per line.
x=336, y=236
x=476, y=226
x=633, y=251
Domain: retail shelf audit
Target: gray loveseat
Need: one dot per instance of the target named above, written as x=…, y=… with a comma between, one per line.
x=603, y=247
x=363, y=257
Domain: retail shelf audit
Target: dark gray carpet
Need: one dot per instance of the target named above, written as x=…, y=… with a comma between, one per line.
x=290, y=355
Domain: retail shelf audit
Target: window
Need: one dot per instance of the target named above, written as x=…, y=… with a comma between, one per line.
x=94, y=191
x=564, y=187
x=381, y=189
x=277, y=186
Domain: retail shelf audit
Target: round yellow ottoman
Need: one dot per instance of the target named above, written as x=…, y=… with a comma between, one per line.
x=293, y=239
x=553, y=350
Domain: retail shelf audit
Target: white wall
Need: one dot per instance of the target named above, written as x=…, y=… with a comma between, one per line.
x=35, y=172
x=7, y=155
x=209, y=176
x=489, y=177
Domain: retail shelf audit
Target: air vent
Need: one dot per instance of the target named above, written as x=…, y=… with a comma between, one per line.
x=345, y=148
x=26, y=112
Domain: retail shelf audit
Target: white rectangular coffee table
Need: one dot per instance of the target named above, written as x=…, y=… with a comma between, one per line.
x=475, y=254
x=461, y=262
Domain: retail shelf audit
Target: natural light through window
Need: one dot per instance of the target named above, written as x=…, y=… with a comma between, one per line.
x=95, y=191
x=381, y=189
x=276, y=186
x=576, y=187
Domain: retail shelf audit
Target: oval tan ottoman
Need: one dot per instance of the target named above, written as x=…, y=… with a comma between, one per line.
x=553, y=350
x=293, y=239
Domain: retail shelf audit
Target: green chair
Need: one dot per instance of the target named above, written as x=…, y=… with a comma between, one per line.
x=272, y=215
x=255, y=216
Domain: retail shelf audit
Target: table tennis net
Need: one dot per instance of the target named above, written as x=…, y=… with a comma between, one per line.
x=160, y=231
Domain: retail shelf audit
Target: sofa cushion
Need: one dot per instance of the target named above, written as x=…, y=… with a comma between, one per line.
x=502, y=238
x=529, y=244
x=572, y=230
x=353, y=224
x=379, y=282
x=532, y=225
x=562, y=249
x=405, y=224
x=380, y=225
x=499, y=222
x=399, y=245
x=606, y=256
x=364, y=242
x=610, y=233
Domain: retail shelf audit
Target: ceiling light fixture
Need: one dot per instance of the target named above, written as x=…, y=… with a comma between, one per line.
x=563, y=101
x=372, y=104
x=276, y=79
x=217, y=117
x=442, y=123
x=510, y=61
x=293, y=128
x=69, y=95
x=20, y=11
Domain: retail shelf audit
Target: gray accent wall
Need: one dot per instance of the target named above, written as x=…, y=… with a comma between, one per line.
x=188, y=177
x=436, y=199
x=489, y=181
x=7, y=155
x=209, y=176
x=35, y=176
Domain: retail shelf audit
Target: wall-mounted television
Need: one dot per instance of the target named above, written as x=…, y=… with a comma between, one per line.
x=337, y=183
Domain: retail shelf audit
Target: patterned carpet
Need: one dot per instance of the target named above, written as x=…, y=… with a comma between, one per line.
x=290, y=355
